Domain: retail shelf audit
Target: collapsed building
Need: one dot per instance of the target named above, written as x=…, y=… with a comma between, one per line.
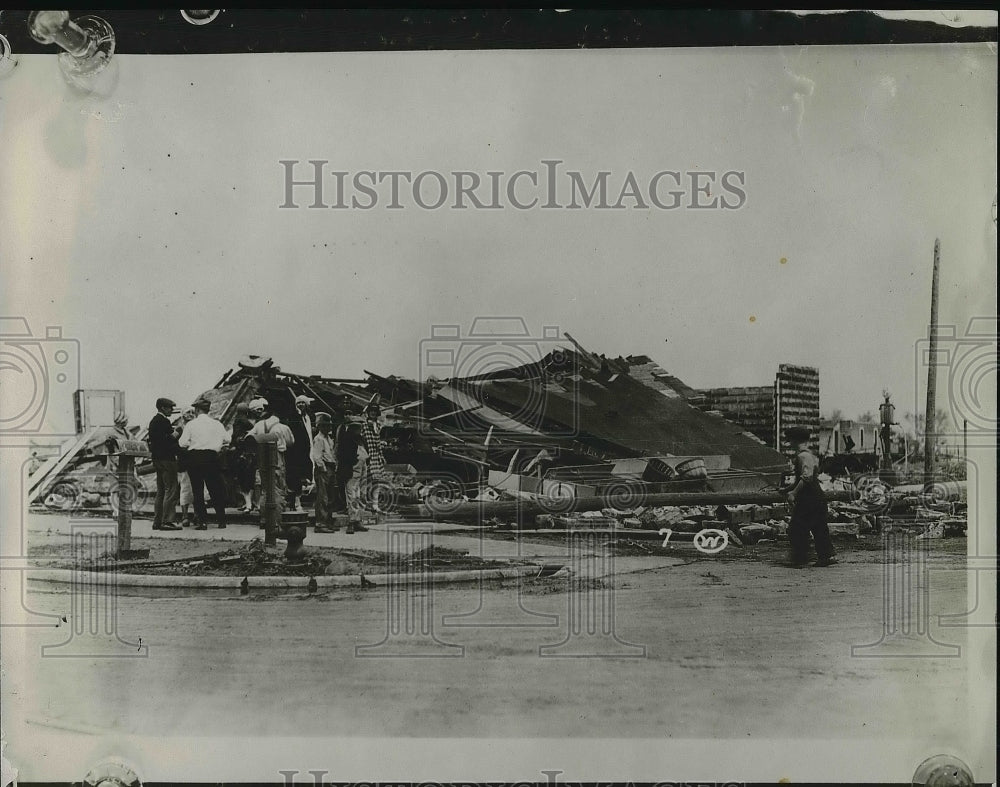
x=570, y=423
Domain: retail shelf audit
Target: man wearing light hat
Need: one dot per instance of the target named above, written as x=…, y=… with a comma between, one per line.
x=266, y=424
x=299, y=465
x=163, y=448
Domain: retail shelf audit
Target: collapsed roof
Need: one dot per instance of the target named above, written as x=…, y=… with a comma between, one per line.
x=579, y=407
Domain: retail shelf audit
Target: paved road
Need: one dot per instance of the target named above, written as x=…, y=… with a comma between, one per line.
x=732, y=649
x=734, y=646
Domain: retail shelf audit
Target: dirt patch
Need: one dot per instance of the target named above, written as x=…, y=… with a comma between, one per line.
x=195, y=557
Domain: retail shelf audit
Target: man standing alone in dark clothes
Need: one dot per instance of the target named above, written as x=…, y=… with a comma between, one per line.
x=346, y=452
x=163, y=448
x=808, y=504
x=297, y=457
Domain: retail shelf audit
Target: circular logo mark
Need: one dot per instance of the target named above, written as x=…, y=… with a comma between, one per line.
x=25, y=384
x=711, y=541
x=941, y=770
x=7, y=59
x=200, y=17
x=623, y=496
x=556, y=499
x=872, y=492
x=112, y=773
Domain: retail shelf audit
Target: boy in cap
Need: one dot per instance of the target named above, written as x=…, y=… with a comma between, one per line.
x=324, y=472
x=163, y=449
x=352, y=467
x=808, y=504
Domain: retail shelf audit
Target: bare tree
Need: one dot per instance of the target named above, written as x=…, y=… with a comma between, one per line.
x=914, y=429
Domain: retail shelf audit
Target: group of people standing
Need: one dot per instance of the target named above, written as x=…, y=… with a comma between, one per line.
x=341, y=460
x=189, y=450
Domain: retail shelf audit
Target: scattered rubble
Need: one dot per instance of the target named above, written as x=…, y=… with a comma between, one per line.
x=752, y=524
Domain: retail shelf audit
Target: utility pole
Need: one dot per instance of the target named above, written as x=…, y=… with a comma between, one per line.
x=932, y=371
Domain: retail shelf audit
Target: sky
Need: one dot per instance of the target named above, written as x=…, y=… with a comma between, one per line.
x=144, y=220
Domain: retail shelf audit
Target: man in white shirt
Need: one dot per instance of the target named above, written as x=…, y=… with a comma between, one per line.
x=267, y=423
x=203, y=437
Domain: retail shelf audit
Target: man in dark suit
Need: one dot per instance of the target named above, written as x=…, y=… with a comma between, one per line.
x=163, y=448
x=299, y=465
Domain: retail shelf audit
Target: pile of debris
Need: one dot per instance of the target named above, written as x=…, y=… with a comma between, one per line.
x=680, y=519
x=252, y=559
x=435, y=558
x=762, y=523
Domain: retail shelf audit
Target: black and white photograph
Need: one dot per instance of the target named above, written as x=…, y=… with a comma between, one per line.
x=462, y=395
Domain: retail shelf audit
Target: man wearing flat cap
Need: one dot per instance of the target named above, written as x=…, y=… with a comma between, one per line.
x=163, y=448
x=808, y=504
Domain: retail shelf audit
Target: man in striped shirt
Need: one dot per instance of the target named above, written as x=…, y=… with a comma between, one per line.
x=371, y=431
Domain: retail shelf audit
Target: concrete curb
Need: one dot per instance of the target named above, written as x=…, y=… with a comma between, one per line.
x=69, y=576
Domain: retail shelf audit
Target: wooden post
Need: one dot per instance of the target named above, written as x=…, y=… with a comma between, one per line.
x=126, y=463
x=929, y=415
x=126, y=451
